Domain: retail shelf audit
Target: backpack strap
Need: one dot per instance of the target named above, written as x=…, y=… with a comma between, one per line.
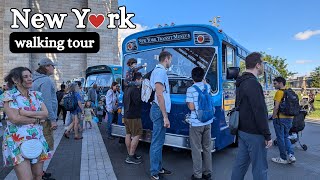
x=198, y=89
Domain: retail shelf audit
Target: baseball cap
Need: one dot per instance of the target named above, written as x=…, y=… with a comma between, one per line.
x=46, y=62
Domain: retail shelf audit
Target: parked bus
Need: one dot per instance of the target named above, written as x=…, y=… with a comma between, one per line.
x=103, y=76
x=191, y=46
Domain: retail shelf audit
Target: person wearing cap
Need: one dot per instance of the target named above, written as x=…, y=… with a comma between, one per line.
x=43, y=84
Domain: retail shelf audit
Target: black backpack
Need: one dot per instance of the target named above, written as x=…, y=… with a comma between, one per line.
x=298, y=123
x=289, y=104
x=70, y=102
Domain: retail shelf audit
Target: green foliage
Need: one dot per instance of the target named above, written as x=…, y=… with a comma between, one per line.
x=279, y=63
x=315, y=75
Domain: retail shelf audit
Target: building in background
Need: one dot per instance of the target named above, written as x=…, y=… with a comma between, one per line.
x=70, y=65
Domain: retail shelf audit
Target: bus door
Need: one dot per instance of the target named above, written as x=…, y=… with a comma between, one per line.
x=229, y=93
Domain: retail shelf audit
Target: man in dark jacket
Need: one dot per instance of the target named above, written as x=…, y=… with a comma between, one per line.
x=254, y=134
x=60, y=95
x=132, y=121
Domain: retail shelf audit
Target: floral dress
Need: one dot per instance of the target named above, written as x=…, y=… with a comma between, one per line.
x=15, y=135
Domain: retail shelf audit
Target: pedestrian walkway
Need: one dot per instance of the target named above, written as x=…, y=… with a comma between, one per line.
x=85, y=159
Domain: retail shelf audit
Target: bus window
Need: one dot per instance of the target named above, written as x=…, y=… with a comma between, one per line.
x=230, y=57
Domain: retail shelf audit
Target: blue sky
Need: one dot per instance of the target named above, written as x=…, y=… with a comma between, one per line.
x=285, y=28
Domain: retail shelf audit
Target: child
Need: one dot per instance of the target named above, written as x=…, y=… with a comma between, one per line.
x=101, y=111
x=88, y=111
x=132, y=63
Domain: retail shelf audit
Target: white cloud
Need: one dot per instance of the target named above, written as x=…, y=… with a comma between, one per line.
x=303, y=61
x=123, y=33
x=306, y=34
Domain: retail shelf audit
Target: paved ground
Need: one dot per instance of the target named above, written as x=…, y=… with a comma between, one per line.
x=307, y=166
x=96, y=157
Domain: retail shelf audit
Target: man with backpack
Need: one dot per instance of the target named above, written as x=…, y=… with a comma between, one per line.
x=254, y=136
x=286, y=106
x=202, y=112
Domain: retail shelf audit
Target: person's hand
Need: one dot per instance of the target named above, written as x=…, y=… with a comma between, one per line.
x=268, y=143
x=54, y=125
x=23, y=112
x=144, y=65
x=166, y=123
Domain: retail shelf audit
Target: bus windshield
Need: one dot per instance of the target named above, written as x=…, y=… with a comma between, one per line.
x=184, y=59
x=102, y=80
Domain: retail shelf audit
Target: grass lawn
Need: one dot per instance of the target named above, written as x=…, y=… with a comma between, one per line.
x=316, y=114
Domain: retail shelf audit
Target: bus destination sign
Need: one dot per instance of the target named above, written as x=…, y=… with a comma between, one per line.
x=164, y=38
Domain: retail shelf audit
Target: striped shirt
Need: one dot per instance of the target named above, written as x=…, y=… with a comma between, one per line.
x=192, y=97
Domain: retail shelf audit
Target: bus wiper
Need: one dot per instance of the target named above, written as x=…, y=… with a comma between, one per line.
x=177, y=75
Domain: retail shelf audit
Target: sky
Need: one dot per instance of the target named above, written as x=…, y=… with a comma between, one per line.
x=289, y=29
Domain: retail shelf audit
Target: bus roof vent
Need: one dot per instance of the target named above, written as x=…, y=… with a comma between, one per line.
x=202, y=38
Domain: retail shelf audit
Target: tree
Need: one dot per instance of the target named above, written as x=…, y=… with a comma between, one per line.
x=315, y=75
x=279, y=63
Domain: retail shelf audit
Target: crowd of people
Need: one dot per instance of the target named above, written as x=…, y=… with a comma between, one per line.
x=32, y=106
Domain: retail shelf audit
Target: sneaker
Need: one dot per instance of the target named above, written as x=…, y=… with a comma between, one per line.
x=206, y=177
x=291, y=159
x=155, y=177
x=137, y=156
x=132, y=160
x=163, y=171
x=279, y=160
x=195, y=178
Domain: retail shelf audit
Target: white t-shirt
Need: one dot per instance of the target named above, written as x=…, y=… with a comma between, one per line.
x=159, y=75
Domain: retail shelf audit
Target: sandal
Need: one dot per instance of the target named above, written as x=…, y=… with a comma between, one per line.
x=66, y=135
x=78, y=138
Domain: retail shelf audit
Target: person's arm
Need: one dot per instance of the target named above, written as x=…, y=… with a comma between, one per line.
x=16, y=118
x=109, y=101
x=136, y=69
x=189, y=99
x=256, y=99
x=277, y=100
x=93, y=112
x=159, y=93
x=43, y=114
x=45, y=89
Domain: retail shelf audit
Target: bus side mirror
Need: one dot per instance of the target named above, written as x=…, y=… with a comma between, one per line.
x=233, y=73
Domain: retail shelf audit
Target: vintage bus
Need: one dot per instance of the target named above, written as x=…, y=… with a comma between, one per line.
x=103, y=76
x=191, y=46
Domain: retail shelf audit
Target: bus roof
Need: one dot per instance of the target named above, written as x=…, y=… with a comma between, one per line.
x=167, y=29
x=115, y=69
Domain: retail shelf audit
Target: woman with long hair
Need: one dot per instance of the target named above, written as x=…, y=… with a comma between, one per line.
x=25, y=110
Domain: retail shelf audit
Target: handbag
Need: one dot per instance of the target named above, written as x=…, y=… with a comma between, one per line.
x=31, y=149
x=95, y=119
x=234, y=116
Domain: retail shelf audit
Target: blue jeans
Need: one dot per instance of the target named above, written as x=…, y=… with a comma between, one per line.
x=158, y=137
x=282, y=127
x=109, y=123
x=252, y=149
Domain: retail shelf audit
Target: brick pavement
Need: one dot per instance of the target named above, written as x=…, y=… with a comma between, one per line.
x=75, y=159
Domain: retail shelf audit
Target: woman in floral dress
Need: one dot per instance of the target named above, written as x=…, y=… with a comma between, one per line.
x=25, y=110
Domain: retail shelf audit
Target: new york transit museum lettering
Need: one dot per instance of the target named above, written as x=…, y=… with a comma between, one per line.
x=164, y=38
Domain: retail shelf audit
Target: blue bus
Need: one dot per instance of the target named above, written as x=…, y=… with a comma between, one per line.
x=103, y=76
x=191, y=46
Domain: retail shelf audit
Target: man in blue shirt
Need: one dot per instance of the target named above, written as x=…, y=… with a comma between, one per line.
x=160, y=108
x=200, y=132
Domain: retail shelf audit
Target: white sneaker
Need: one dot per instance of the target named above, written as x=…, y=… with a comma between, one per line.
x=279, y=160
x=291, y=159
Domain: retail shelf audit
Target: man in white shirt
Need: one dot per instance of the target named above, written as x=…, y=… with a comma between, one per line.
x=160, y=108
x=200, y=132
